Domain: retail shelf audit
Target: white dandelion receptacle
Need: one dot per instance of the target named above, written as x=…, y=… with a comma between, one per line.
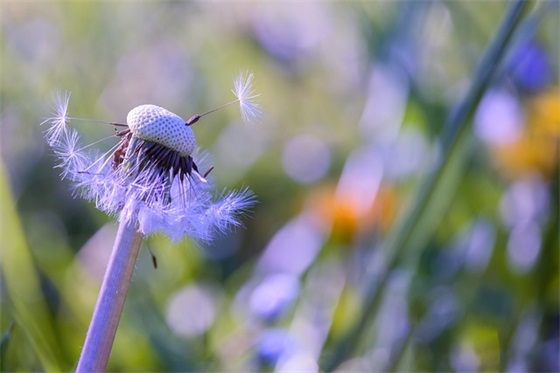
x=156, y=124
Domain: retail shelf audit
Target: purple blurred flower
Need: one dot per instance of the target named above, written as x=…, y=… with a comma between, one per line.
x=274, y=295
x=274, y=345
x=530, y=67
x=499, y=118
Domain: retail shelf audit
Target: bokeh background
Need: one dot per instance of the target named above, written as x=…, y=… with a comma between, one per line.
x=356, y=95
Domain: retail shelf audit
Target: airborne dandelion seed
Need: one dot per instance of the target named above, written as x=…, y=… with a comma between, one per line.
x=243, y=89
x=150, y=177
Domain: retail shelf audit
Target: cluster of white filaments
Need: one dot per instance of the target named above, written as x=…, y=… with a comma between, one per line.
x=150, y=177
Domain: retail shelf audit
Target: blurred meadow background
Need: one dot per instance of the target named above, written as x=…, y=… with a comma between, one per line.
x=376, y=243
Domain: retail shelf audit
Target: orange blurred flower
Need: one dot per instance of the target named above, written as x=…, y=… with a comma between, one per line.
x=537, y=148
x=341, y=215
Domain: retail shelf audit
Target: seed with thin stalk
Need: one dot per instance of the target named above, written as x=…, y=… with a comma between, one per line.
x=150, y=176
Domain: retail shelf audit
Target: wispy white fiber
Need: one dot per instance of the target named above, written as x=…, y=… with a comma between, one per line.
x=245, y=92
x=59, y=117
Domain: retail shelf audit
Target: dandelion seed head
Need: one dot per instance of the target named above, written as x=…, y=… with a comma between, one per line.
x=156, y=124
x=150, y=176
x=244, y=90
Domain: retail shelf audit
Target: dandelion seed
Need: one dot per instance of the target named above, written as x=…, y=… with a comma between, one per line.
x=58, y=119
x=244, y=91
x=68, y=153
x=150, y=177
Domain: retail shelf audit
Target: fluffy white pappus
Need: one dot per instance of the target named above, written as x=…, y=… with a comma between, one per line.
x=224, y=213
x=205, y=221
x=59, y=117
x=67, y=152
x=244, y=90
x=139, y=189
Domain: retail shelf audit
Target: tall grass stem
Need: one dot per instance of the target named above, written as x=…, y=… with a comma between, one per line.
x=418, y=223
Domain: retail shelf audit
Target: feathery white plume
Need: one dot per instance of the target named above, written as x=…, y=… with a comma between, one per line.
x=244, y=91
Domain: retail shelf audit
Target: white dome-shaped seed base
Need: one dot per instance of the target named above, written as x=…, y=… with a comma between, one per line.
x=154, y=123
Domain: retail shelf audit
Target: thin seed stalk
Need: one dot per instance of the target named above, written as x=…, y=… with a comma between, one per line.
x=110, y=303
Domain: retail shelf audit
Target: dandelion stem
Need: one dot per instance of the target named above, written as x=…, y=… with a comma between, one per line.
x=110, y=303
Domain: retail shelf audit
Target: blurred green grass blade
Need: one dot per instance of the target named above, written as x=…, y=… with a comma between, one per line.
x=435, y=194
x=456, y=131
x=6, y=337
x=22, y=283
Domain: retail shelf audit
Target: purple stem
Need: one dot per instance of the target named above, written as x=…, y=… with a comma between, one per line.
x=108, y=310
